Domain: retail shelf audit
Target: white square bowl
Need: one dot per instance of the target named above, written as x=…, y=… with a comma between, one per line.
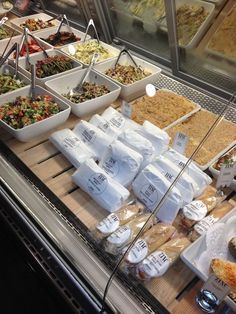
x=45, y=33
x=33, y=130
x=137, y=88
x=114, y=51
x=10, y=29
x=23, y=66
x=63, y=85
x=42, y=16
x=8, y=70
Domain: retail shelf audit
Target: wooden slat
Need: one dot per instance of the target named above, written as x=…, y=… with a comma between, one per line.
x=60, y=189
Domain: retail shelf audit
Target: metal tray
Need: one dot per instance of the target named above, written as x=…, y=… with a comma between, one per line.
x=189, y=255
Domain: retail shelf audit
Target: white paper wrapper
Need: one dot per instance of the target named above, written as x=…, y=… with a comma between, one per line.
x=200, y=177
x=118, y=121
x=187, y=187
x=216, y=241
x=159, y=138
x=95, y=139
x=108, y=193
x=121, y=163
x=138, y=143
x=104, y=125
x=150, y=186
x=71, y=147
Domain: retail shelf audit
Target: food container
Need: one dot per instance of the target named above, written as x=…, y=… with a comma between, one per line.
x=216, y=173
x=45, y=33
x=29, y=132
x=42, y=16
x=10, y=30
x=7, y=69
x=209, y=7
x=114, y=51
x=24, y=68
x=190, y=255
x=137, y=88
x=4, y=11
x=63, y=85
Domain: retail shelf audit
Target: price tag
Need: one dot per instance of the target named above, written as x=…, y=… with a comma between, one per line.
x=180, y=142
x=126, y=109
x=226, y=176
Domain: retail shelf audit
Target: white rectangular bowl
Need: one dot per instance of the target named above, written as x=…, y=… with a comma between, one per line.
x=17, y=39
x=63, y=85
x=23, y=66
x=114, y=51
x=45, y=33
x=7, y=69
x=42, y=16
x=16, y=32
x=137, y=88
x=29, y=132
x=209, y=7
x=193, y=251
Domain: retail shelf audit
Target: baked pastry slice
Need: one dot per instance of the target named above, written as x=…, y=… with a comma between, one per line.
x=226, y=271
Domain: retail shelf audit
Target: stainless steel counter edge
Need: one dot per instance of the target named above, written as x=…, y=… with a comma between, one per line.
x=68, y=241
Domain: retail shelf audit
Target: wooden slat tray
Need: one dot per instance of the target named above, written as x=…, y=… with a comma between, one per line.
x=55, y=171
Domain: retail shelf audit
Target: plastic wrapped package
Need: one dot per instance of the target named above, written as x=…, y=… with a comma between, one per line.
x=150, y=241
x=187, y=187
x=159, y=138
x=121, y=162
x=118, y=121
x=108, y=193
x=157, y=263
x=71, y=147
x=96, y=140
x=150, y=186
x=126, y=234
x=138, y=143
x=198, y=209
x=104, y=125
x=113, y=221
x=202, y=226
x=200, y=177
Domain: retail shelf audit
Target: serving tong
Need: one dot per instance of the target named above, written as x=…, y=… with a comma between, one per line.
x=91, y=23
x=63, y=18
x=76, y=90
x=3, y=59
x=124, y=50
x=33, y=78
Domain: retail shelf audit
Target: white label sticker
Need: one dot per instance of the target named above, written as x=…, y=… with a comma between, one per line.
x=149, y=195
x=138, y=252
x=226, y=176
x=97, y=183
x=126, y=109
x=118, y=121
x=71, y=142
x=112, y=167
x=217, y=287
x=103, y=126
x=203, y=225
x=121, y=236
x=180, y=142
x=88, y=136
x=196, y=210
x=156, y=264
x=109, y=224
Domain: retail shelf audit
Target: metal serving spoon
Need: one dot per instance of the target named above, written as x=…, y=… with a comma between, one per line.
x=3, y=20
x=78, y=88
x=33, y=75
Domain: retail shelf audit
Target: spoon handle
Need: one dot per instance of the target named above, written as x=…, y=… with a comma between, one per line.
x=33, y=75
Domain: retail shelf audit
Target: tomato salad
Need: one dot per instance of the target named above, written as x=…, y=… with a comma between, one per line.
x=25, y=111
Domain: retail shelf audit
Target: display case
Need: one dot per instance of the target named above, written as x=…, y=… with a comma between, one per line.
x=55, y=218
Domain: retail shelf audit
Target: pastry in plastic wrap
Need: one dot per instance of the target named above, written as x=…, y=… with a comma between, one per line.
x=126, y=234
x=157, y=263
x=104, y=125
x=198, y=209
x=113, y=221
x=149, y=242
x=226, y=271
x=108, y=193
x=202, y=226
x=121, y=163
x=232, y=247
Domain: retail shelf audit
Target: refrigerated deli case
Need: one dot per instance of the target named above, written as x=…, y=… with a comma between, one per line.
x=54, y=218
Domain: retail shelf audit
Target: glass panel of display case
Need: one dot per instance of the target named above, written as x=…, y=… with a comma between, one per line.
x=140, y=23
x=71, y=8
x=207, y=41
